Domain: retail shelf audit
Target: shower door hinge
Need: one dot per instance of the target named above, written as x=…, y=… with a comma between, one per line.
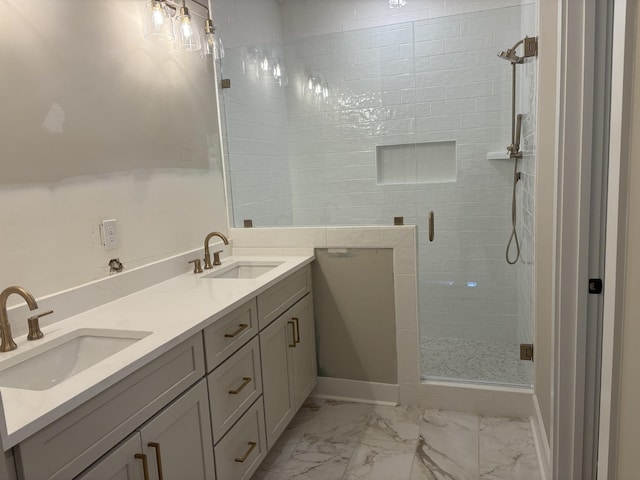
x=526, y=351
x=530, y=47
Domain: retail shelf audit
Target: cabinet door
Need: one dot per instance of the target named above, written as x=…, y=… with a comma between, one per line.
x=178, y=439
x=304, y=354
x=119, y=464
x=277, y=376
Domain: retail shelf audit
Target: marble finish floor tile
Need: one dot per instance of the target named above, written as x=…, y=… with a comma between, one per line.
x=507, y=449
x=447, y=448
x=476, y=360
x=330, y=440
x=375, y=459
x=394, y=424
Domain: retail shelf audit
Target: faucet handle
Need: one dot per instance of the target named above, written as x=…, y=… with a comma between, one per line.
x=34, y=326
x=216, y=257
x=197, y=266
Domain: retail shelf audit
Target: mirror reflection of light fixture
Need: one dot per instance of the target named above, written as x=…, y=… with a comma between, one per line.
x=165, y=20
x=317, y=88
x=157, y=22
x=397, y=3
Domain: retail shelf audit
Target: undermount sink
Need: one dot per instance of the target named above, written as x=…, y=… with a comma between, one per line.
x=244, y=269
x=64, y=357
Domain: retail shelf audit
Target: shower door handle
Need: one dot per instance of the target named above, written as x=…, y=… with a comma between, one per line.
x=432, y=227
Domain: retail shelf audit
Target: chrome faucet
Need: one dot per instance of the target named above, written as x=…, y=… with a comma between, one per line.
x=207, y=255
x=5, y=328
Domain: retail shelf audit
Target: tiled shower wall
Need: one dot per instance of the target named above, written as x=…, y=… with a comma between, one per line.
x=254, y=116
x=416, y=75
x=431, y=80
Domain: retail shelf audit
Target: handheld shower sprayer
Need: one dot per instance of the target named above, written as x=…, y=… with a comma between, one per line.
x=514, y=148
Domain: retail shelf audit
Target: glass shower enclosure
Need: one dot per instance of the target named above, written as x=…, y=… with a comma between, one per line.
x=404, y=120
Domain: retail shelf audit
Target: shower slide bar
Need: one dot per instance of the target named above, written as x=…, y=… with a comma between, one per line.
x=530, y=50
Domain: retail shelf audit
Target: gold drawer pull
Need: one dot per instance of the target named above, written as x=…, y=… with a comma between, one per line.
x=252, y=445
x=158, y=458
x=293, y=335
x=145, y=464
x=241, y=328
x=297, y=320
x=246, y=381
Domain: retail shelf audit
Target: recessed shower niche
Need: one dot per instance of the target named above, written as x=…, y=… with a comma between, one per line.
x=430, y=162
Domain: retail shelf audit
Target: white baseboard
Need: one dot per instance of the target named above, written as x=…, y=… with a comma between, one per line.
x=542, y=444
x=357, y=391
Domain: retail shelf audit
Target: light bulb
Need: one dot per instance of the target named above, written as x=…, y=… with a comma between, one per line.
x=158, y=16
x=310, y=84
x=325, y=91
x=318, y=88
x=157, y=22
x=186, y=36
x=185, y=28
x=264, y=64
x=397, y=3
x=277, y=71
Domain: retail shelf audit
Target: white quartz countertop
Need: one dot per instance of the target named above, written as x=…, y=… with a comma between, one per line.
x=171, y=311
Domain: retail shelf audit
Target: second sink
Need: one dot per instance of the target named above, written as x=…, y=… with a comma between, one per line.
x=243, y=269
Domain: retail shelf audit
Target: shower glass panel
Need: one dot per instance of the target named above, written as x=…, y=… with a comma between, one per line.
x=362, y=126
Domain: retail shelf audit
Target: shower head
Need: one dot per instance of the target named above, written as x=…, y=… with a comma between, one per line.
x=530, y=48
x=511, y=56
x=510, y=53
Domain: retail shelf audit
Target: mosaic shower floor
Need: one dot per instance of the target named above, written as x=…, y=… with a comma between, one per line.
x=474, y=360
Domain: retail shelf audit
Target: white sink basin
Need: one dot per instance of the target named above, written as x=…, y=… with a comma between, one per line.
x=63, y=357
x=243, y=269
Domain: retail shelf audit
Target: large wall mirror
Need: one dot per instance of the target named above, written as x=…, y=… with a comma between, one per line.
x=86, y=94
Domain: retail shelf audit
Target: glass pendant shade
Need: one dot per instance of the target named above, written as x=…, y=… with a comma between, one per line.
x=212, y=41
x=186, y=32
x=157, y=22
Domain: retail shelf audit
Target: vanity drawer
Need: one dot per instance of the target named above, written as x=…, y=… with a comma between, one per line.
x=277, y=299
x=69, y=445
x=233, y=386
x=229, y=333
x=240, y=452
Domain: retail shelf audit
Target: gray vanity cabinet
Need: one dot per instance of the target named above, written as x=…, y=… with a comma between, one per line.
x=304, y=354
x=177, y=441
x=119, y=464
x=184, y=410
x=287, y=348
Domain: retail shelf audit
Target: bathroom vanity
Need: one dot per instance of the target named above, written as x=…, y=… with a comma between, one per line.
x=205, y=399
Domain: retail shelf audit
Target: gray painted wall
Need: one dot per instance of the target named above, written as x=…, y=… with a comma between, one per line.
x=355, y=314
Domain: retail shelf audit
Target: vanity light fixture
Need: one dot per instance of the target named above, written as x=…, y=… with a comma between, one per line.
x=165, y=20
x=212, y=42
x=157, y=22
x=186, y=36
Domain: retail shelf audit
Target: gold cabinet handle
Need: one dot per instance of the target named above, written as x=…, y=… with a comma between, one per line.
x=240, y=329
x=252, y=445
x=156, y=446
x=293, y=334
x=432, y=228
x=245, y=382
x=297, y=329
x=145, y=464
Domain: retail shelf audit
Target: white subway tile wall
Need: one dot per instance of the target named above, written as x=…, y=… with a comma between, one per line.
x=425, y=73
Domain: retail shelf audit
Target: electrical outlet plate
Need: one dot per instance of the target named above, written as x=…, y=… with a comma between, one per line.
x=109, y=234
